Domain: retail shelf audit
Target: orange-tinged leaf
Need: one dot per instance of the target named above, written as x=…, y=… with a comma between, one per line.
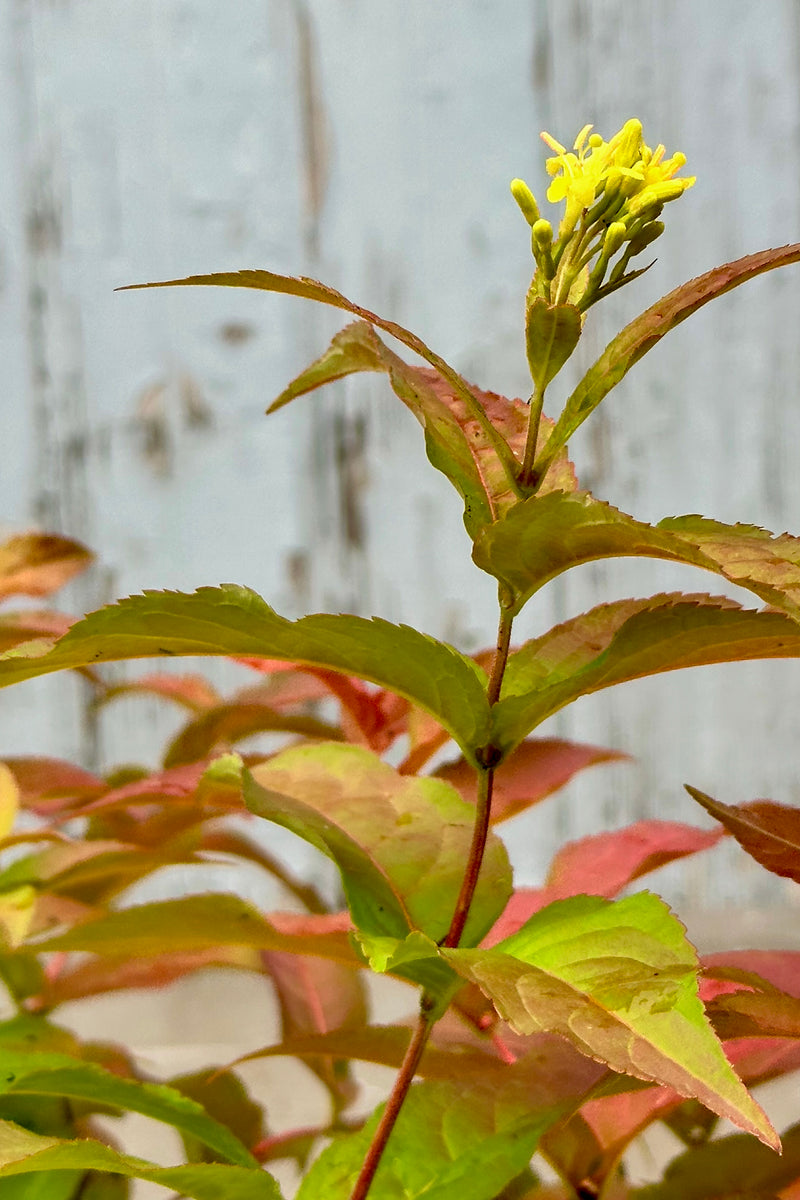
x=539, y=538
x=197, y=923
x=619, y=980
x=225, y=724
x=188, y=691
x=769, y=832
x=646, y=330
x=400, y=842
x=16, y=628
x=36, y=564
x=626, y=640
x=50, y=785
x=99, y=976
x=319, y=996
x=537, y=768
x=478, y=449
x=311, y=289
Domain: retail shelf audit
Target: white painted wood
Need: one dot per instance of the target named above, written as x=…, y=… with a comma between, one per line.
x=371, y=144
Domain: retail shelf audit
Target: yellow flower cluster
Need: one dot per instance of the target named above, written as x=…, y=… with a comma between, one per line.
x=614, y=192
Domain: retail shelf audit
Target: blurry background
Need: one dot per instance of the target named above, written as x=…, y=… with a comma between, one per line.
x=370, y=144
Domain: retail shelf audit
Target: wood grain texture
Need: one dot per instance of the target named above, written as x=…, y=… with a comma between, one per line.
x=370, y=144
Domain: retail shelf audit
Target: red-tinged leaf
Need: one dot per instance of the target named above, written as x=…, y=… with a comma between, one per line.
x=50, y=785
x=619, y=979
x=758, y=1060
x=768, y=832
x=585, y=1150
x=99, y=976
x=188, y=691
x=36, y=564
x=195, y=923
x=221, y=727
x=763, y=1013
x=287, y=686
x=539, y=538
x=536, y=769
x=605, y=863
x=231, y=621
x=646, y=330
x=781, y=968
x=318, y=996
x=602, y=865
x=476, y=438
x=400, y=842
x=369, y=353
x=425, y=737
x=626, y=640
x=19, y=627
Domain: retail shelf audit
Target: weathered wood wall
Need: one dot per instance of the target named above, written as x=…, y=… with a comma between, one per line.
x=371, y=144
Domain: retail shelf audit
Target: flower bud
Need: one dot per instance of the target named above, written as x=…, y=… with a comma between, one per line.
x=646, y=235
x=658, y=193
x=615, y=236
x=542, y=233
x=526, y=200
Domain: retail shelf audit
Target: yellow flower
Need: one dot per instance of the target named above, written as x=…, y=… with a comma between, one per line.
x=623, y=166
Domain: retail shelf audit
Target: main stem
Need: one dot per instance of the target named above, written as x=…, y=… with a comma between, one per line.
x=534, y=420
x=395, y=1102
x=426, y=1021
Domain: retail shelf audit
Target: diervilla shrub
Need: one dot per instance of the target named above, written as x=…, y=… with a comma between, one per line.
x=561, y=1020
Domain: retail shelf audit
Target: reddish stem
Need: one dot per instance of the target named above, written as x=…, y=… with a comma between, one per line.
x=398, y=1094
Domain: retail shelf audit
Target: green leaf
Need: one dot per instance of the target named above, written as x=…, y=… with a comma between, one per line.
x=193, y=923
x=544, y=536
x=231, y=620
x=449, y=1143
x=729, y=1168
x=619, y=980
x=647, y=330
x=551, y=334
x=224, y=1097
x=628, y=640
x=414, y=958
x=31, y=1073
x=22, y=1152
x=399, y=841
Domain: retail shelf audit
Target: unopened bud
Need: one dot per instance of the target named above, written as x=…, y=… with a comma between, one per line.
x=615, y=236
x=526, y=200
x=542, y=233
x=658, y=193
x=645, y=236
